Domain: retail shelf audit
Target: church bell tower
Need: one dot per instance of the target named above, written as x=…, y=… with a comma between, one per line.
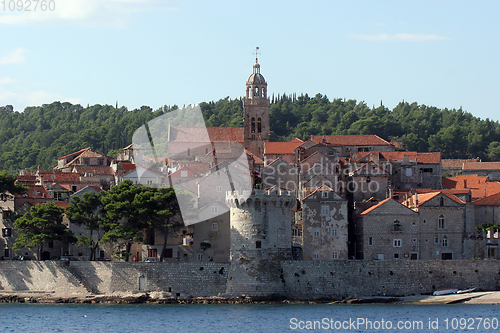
x=256, y=112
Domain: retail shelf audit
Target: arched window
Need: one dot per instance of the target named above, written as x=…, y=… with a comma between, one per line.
x=256, y=91
x=441, y=222
x=253, y=125
x=441, y=202
x=259, y=125
x=445, y=241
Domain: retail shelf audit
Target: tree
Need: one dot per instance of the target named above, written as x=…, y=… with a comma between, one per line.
x=494, y=151
x=123, y=218
x=7, y=183
x=42, y=224
x=87, y=212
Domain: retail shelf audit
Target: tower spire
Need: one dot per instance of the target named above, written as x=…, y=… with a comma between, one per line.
x=257, y=52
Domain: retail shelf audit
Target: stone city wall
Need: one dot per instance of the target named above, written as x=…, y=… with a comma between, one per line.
x=179, y=279
x=352, y=279
x=302, y=279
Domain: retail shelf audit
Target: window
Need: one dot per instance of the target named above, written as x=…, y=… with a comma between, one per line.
x=214, y=209
x=408, y=172
x=73, y=188
x=426, y=169
x=396, y=243
x=445, y=241
x=436, y=240
x=324, y=194
x=325, y=210
x=6, y=253
x=397, y=225
x=316, y=232
x=316, y=255
x=184, y=173
x=424, y=222
x=7, y=232
x=334, y=232
x=188, y=152
x=215, y=226
x=258, y=244
x=441, y=202
x=335, y=254
x=396, y=255
x=370, y=241
x=441, y=222
x=219, y=188
x=200, y=256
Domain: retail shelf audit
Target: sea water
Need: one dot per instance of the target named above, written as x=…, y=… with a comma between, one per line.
x=248, y=318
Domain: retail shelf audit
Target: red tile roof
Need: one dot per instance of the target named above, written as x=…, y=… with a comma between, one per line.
x=478, y=185
x=455, y=163
x=296, y=140
x=424, y=197
x=34, y=192
x=99, y=170
x=280, y=147
x=321, y=188
x=375, y=206
x=61, y=204
x=382, y=171
x=492, y=200
x=471, y=166
x=61, y=177
x=199, y=134
x=351, y=140
x=420, y=158
x=75, y=153
x=257, y=160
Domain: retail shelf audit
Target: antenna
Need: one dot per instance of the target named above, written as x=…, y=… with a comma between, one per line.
x=257, y=52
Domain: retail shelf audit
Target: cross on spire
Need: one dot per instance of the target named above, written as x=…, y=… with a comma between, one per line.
x=256, y=52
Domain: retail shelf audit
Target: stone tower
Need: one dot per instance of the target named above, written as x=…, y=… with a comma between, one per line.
x=261, y=237
x=256, y=113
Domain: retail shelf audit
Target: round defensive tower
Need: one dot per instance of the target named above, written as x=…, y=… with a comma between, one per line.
x=261, y=237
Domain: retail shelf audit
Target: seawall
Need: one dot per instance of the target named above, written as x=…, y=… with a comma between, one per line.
x=304, y=280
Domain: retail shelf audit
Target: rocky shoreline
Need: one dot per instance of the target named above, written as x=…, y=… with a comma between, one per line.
x=41, y=297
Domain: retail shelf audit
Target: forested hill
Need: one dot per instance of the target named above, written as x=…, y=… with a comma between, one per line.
x=39, y=135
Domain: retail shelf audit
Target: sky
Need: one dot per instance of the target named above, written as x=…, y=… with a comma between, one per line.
x=166, y=52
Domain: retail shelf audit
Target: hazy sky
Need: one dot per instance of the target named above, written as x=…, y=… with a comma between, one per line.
x=157, y=52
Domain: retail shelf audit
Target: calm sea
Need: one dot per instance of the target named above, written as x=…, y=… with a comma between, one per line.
x=248, y=318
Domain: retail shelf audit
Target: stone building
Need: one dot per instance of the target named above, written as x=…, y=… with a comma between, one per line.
x=345, y=144
x=388, y=230
x=407, y=169
x=442, y=224
x=490, y=169
x=487, y=211
x=370, y=181
x=324, y=226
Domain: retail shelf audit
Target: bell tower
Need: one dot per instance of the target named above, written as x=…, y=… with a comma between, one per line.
x=256, y=111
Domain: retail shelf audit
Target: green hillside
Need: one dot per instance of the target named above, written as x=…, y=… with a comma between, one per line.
x=39, y=135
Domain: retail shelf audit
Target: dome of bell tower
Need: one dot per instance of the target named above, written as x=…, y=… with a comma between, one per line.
x=256, y=77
